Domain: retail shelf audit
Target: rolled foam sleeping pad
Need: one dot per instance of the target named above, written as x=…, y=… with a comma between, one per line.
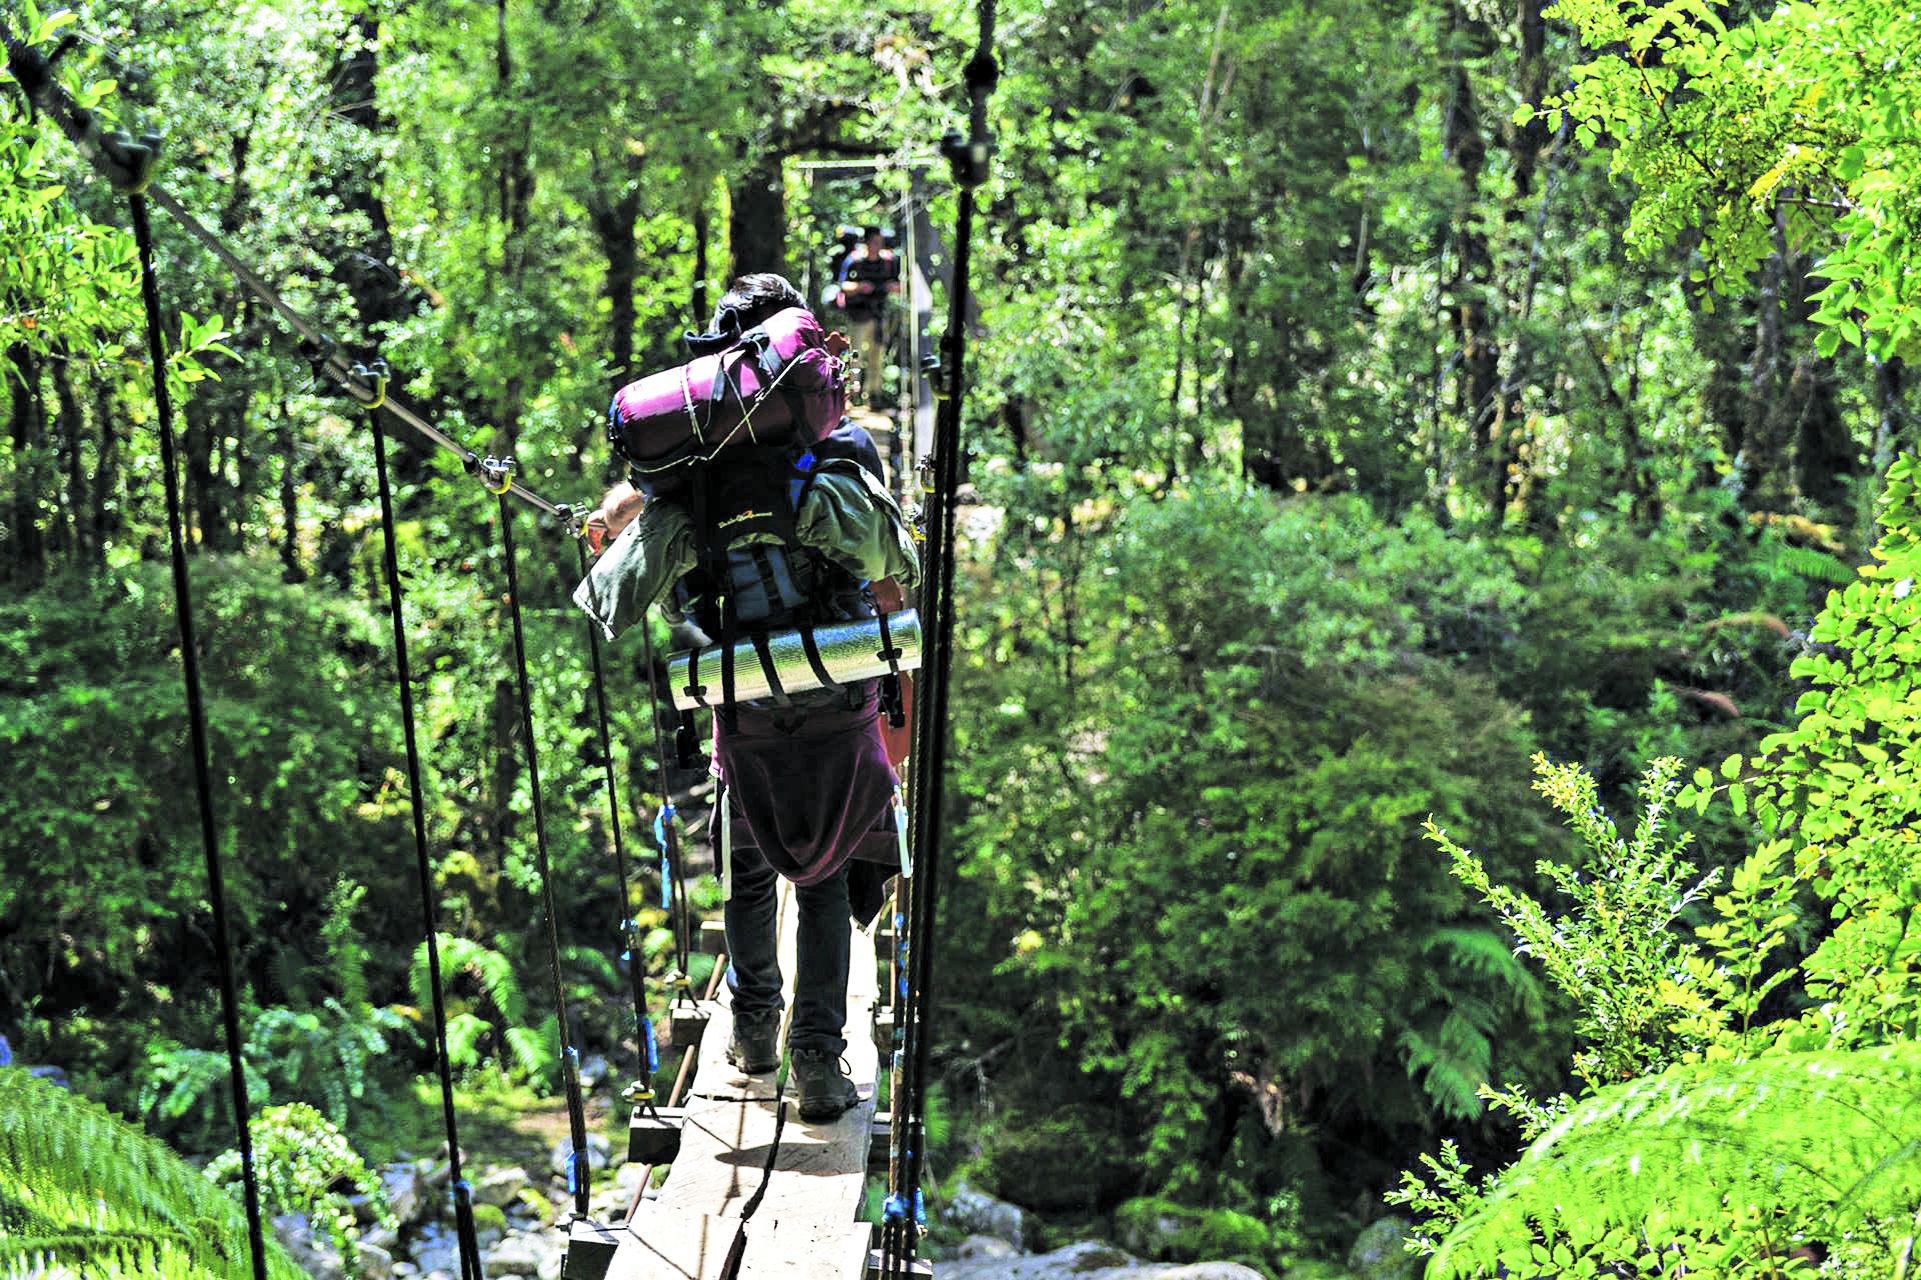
x=848, y=650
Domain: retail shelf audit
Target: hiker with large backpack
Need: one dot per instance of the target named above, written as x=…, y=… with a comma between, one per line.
x=759, y=519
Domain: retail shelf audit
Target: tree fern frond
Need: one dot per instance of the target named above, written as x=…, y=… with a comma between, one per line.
x=1814, y=565
x=464, y=1032
x=78, y=1171
x=1815, y=1141
x=533, y=1049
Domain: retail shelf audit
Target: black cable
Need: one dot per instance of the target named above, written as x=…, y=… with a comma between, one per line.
x=679, y=910
x=578, y=1170
x=901, y=1234
x=403, y=680
x=630, y=931
x=197, y=727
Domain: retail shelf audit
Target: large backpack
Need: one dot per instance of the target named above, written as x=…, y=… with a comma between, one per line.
x=752, y=576
x=773, y=384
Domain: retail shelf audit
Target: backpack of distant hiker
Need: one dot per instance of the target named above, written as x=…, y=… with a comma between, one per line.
x=773, y=384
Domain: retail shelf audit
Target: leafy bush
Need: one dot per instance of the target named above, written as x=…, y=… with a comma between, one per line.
x=1171, y=1232
x=1189, y=840
x=1746, y=1149
x=305, y=1165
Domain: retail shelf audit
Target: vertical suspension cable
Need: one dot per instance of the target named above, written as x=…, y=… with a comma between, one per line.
x=196, y=721
x=578, y=1170
x=904, y=1218
x=648, y=1048
x=403, y=680
x=197, y=729
x=673, y=870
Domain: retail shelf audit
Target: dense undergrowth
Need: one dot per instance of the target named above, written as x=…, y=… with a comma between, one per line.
x=1331, y=456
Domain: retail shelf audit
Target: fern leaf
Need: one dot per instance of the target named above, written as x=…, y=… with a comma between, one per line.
x=1819, y=1142
x=77, y=1174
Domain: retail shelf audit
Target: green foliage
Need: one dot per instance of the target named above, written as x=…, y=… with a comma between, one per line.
x=1614, y=951
x=305, y=1165
x=1705, y=1140
x=1713, y=1167
x=1258, y=945
x=1803, y=116
x=1171, y=1232
x=1838, y=796
x=499, y=1014
x=85, y=1191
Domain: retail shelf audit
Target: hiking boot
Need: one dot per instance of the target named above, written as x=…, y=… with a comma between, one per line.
x=821, y=1080
x=754, y=1046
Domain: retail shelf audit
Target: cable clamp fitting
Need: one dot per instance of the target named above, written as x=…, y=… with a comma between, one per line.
x=129, y=161
x=496, y=474
x=372, y=377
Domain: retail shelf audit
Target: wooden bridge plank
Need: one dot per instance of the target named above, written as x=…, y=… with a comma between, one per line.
x=804, y=1227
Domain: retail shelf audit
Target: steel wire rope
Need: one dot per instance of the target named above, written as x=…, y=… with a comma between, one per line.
x=469, y=1244
x=673, y=872
x=649, y=1049
x=578, y=1170
x=903, y=1216
x=197, y=724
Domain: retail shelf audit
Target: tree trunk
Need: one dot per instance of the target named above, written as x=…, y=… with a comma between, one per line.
x=703, y=229
x=202, y=482
x=757, y=224
x=1473, y=286
x=106, y=501
x=367, y=271
x=506, y=775
x=1770, y=434
x=73, y=519
x=613, y=220
x=28, y=561
x=291, y=568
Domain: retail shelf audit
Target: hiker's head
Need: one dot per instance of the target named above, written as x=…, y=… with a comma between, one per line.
x=755, y=297
x=875, y=240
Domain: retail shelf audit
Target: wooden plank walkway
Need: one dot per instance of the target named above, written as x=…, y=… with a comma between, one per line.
x=804, y=1227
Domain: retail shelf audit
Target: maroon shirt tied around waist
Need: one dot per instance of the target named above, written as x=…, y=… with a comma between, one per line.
x=811, y=795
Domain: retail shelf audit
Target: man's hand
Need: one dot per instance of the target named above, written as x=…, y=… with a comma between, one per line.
x=837, y=343
x=616, y=511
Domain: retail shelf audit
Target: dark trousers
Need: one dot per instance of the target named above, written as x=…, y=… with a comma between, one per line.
x=753, y=972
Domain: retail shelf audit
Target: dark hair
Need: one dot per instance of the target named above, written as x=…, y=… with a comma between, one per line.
x=755, y=297
x=868, y=233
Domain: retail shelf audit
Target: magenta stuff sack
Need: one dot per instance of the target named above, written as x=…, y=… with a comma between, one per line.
x=773, y=384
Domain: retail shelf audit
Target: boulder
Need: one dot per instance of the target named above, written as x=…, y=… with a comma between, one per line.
x=593, y=1070
x=1088, y=1260
x=1378, y=1252
x=375, y=1263
x=436, y=1249
x=984, y=1247
x=500, y=1187
x=434, y=1175
x=978, y=1213
x=599, y=1154
x=314, y=1256
x=405, y=1190
x=526, y=1254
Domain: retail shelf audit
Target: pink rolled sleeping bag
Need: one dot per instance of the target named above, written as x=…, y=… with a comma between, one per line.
x=776, y=384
